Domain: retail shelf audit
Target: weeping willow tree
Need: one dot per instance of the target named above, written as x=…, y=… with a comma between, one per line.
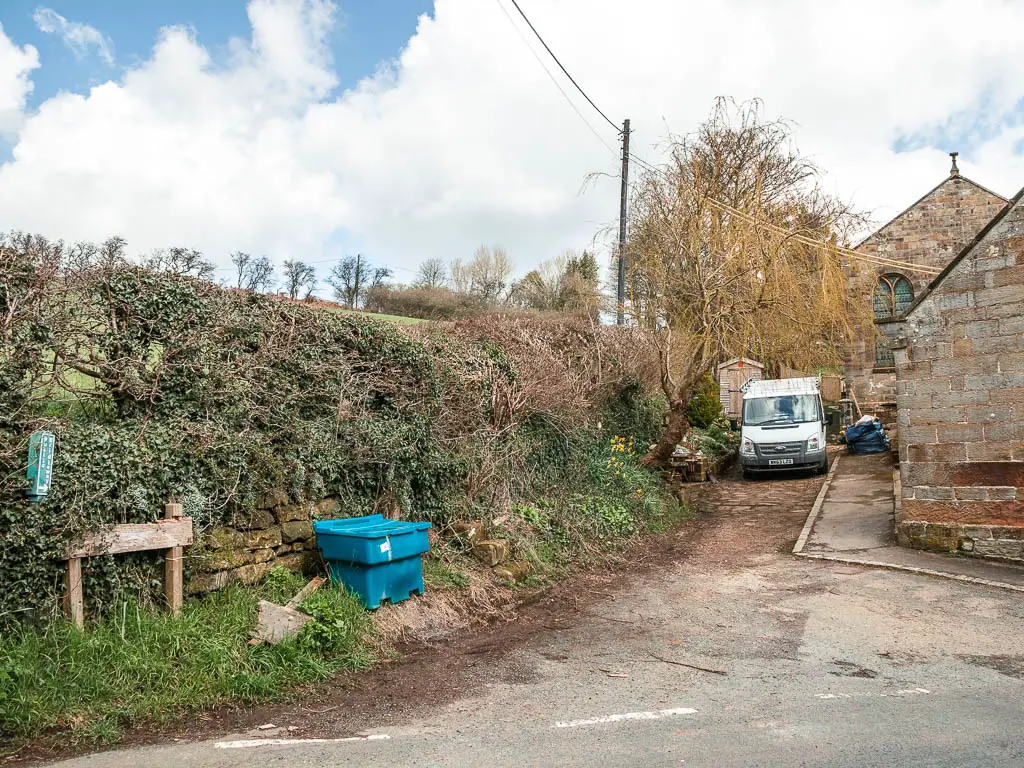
x=734, y=250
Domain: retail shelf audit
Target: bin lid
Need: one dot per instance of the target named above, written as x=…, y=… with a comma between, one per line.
x=368, y=527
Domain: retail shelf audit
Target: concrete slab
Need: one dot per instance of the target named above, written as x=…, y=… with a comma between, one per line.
x=858, y=509
x=849, y=525
x=854, y=522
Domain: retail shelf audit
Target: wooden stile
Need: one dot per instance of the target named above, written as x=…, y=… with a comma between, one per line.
x=172, y=534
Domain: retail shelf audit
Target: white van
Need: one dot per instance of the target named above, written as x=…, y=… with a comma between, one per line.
x=783, y=426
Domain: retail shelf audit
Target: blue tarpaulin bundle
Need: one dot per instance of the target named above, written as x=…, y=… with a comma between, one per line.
x=868, y=437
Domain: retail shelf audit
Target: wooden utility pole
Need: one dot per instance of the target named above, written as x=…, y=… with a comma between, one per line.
x=620, y=299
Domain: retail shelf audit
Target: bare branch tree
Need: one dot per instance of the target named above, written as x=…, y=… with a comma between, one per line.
x=460, y=276
x=181, y=261
x=354, y=277
x=485, y=276
x=567, y=283
x=432, y=273
x=259, y=275
x=541, y=288
x=241, y=261
x=378, y=277
x=299, y=279
x=345, y=279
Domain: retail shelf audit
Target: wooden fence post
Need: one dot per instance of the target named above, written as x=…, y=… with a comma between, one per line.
x=74, y=603
x=173, y=586
x=172, y=535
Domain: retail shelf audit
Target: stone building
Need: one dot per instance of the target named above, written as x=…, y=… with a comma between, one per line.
x=929, y=233
x=959, y=369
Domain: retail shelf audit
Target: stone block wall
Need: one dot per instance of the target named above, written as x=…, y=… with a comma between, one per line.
x=960, y=396
x=929, y=233
x=276, y=534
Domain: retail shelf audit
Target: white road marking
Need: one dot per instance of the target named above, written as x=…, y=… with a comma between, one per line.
x=897, y=694
x=248, y=743
x=656, y=715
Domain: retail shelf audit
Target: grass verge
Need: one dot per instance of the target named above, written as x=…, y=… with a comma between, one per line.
x=140, y=665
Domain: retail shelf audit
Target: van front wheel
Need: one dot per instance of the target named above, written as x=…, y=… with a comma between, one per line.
x=822, y=469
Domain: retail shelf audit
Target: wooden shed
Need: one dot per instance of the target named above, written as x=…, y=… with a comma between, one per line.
x=732, y=375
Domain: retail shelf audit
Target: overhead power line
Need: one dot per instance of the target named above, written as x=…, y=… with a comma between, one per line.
x=552, y=78
x=804, y=239
x=559, y=63
x=849, y=253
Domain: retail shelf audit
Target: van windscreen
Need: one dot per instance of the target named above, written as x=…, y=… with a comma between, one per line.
x=781, y=409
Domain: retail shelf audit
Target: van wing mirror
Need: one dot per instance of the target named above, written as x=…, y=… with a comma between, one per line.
x=830, y=418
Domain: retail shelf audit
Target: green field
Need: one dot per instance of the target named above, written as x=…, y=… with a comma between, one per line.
x=376, y=316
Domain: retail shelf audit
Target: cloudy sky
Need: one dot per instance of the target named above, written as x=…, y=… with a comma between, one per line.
x=407, y=129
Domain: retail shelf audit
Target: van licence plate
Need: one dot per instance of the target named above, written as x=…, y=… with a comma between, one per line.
x=778, y=462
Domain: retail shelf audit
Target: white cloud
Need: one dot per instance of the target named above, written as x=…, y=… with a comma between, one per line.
x=16, y=65
x=76, y=36
x=463, y=139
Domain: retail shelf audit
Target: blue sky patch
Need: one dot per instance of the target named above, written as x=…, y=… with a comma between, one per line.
x=368, y=32
x=964, y=131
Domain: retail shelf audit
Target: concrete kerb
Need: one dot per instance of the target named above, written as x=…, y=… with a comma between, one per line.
x=813, y=517
x=816, y=509
x=910, y=569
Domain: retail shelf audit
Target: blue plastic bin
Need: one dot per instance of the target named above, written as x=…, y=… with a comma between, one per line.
x=376, y=558
x=394, y=581
x=370, y=540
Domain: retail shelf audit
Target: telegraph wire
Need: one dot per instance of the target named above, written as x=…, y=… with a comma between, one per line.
x=559, y=63
x=551, y=77
x=804, y=239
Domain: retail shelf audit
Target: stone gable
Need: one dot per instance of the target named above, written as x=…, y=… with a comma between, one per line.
x=929, y=233
x=960, y=399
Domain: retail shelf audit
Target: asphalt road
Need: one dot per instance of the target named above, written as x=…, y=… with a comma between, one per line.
x=824, y=665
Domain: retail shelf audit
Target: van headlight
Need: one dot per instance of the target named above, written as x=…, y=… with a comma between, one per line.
x=747, y=447
x=814, y=444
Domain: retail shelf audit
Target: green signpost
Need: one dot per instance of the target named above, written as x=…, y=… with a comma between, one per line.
x=40, y=464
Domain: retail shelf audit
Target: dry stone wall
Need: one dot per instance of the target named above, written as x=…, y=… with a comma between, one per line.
x=276, y=534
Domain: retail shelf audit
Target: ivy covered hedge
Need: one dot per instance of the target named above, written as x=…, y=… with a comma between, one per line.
x=159, y=385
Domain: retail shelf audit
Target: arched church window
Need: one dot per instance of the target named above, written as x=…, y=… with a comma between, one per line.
x=893, y=295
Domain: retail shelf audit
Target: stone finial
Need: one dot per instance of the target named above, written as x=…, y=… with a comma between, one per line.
x=954, y=171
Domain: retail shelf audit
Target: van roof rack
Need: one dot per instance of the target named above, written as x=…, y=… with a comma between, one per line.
x=806, y=385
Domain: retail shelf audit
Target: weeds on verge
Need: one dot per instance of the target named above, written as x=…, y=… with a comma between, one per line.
x=443, y=575
x=139, y=664
x=617, y=499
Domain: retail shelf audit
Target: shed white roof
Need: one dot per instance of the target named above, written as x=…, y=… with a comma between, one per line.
x=744, y=360
x=808, y=385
